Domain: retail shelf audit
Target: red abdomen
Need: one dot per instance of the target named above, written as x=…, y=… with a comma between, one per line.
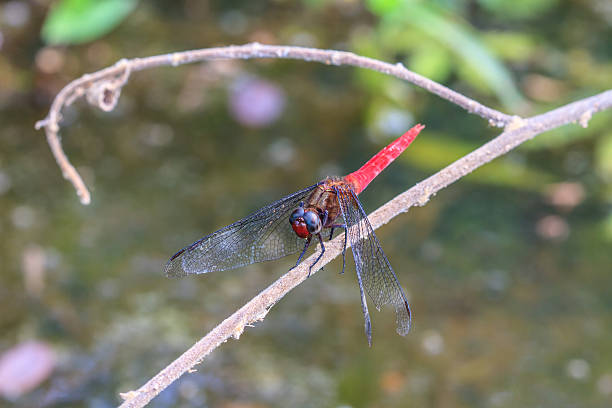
x=360, y=179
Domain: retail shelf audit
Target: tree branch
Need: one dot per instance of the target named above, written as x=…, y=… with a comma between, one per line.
x=257, y=308
x=102, y=88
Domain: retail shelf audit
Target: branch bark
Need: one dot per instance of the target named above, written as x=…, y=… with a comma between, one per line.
x=102, y=88
x=256, y=309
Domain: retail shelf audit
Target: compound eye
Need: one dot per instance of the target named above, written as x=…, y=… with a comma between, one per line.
x=313, y=222
x=297, y=213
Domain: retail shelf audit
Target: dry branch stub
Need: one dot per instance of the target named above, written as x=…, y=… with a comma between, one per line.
x=103, y=95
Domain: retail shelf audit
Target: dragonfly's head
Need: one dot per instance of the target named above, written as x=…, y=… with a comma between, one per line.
x=305, y=222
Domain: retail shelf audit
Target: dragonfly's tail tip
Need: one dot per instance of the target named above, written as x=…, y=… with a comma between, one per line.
x=416, y=129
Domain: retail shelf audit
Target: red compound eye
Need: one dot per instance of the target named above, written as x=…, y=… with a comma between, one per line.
x=300, y=228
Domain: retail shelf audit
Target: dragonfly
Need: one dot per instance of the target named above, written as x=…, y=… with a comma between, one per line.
x=290, y=224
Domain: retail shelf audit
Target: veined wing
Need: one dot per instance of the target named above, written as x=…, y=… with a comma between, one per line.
x=262, y=236
x=372, y=265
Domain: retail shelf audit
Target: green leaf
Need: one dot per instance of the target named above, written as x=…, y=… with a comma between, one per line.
x=432, y=62
x=81, y=21
x=476, y=57
x=367, y=45
x=437, y=151
x=512, y=46
x=479, y=65
x=382, y=7
x=518, y=9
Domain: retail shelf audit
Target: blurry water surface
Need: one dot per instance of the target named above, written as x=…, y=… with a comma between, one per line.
x=508, y=271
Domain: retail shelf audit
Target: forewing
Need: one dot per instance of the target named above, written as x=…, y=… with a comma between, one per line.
x=262, y=236
x=372, y=265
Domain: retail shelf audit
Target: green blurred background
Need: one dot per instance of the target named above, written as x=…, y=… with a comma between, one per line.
x=508, y=271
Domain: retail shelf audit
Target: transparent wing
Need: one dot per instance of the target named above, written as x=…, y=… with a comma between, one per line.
x=262, y=236
x=372, y=265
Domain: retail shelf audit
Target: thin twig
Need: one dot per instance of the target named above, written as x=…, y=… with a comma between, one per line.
x=255, y=310
x=103, y=88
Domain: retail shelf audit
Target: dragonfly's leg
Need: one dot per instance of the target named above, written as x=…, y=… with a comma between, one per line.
x=334, y=226
x=304, y=250
x=366, y=314
x=325, y=217
x=320, y=255
x=344, y=249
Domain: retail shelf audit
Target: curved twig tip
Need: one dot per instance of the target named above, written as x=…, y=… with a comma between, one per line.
x=102, y=88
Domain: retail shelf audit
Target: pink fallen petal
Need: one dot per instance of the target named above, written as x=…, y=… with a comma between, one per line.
x=24, y=367
x=256, y=102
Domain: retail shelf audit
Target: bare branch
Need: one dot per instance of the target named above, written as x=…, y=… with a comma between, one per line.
x=102, y=88
x=256, y=309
